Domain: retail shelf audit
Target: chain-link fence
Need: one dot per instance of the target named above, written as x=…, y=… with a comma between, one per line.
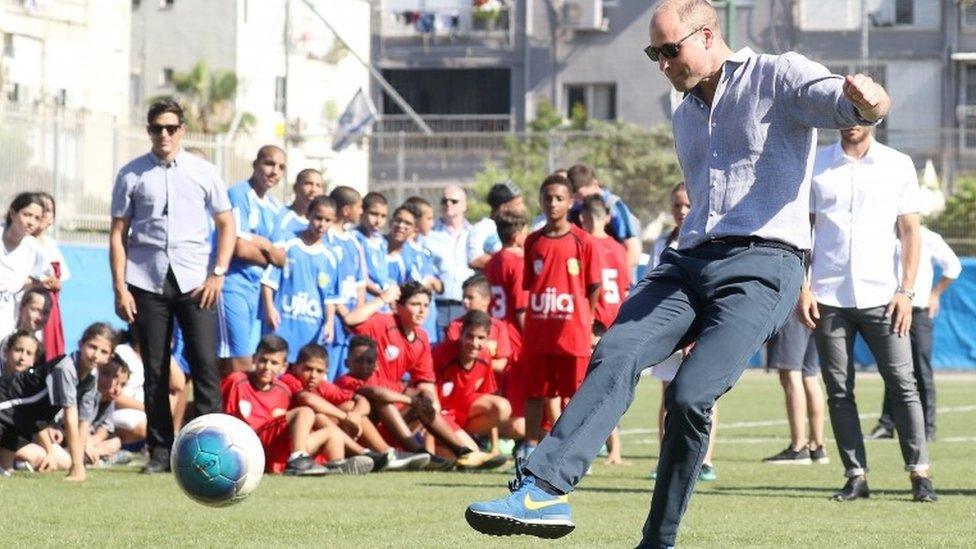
x=75, y=158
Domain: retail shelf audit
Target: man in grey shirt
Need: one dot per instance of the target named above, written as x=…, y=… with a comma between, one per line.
x=745, y=137
x=160, y=252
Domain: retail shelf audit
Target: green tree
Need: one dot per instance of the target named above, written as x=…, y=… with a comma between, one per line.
x=208, y=99
x=957, y=223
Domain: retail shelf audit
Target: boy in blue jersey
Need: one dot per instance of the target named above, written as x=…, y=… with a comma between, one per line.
x=292, y=220
x=352, y=273
x=300, y=299
x=369, y=233
x=255, y=211
x=425, y=271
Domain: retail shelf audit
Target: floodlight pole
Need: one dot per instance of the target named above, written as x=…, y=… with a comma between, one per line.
x=374, y=73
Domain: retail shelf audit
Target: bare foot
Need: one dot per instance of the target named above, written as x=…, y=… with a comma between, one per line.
x=617, y=460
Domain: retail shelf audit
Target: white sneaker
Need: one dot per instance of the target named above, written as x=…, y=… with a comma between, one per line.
x=398, y=460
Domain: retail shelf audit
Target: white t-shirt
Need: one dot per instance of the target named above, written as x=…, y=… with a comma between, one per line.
x=137, y=375
x=16, y=266
x=52, y=254
x=934, y=251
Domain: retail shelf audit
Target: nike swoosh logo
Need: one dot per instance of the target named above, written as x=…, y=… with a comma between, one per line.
x=536, y=505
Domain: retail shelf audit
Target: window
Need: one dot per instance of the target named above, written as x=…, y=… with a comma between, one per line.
x=166, y=76
x=166, y=4
x=599, y=100
x=135, y=89
x=280, y=101
x=904, y=12
x=13, y=92
x=136, y=4
x=970, y=84
x=968, y=14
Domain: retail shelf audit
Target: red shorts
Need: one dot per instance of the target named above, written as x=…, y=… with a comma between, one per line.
x=550, y=376
x=276, y=441
x=513, y=382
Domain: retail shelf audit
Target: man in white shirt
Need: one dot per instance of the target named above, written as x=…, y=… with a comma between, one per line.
x=447, y=243
x=861, y=190
x=925, y=305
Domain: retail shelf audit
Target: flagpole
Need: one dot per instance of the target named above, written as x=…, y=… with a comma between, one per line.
x=374, y=73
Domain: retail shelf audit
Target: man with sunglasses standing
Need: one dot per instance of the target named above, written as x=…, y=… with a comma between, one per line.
x=447, y=243
x=745, y=137
x=160, y=253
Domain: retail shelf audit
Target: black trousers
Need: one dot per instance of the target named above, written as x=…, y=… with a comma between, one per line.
x=154, y=320
x=921, y=338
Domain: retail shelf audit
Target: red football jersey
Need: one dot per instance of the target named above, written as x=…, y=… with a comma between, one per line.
x=614, y=279
x=505, y=270
x=558, y=271
x=242, y=400
x=499, y=345
x=396, y=355
x=349, y=383
x=332, y=393
x=459, y=388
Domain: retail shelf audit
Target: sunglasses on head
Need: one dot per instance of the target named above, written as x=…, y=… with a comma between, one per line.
x=157, y=129
x=446, y=201
x=669, y=50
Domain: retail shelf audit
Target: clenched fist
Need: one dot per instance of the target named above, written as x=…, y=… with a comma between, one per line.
x=868, y=97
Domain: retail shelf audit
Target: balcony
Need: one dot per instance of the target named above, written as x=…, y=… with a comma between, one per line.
x=448, y=30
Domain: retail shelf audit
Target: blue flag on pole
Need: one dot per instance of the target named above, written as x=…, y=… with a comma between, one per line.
x=355, y=121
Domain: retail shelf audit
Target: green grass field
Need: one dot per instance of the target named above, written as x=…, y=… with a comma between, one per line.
x=751, y=505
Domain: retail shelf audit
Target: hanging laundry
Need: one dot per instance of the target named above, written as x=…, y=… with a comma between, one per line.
x=425, y=22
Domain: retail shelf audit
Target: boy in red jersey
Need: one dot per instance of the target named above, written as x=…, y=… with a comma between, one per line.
x=466, y=380
x=614, y=275
x=403, y=349
x=476, y=296
x=509, y=299
x=562, y=274
x=287, y=435
x=345, y=408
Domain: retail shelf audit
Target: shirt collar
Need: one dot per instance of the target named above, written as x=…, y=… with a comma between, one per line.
x=741, y=56
x=159, y=161
x=737, y=58
x=869, y=157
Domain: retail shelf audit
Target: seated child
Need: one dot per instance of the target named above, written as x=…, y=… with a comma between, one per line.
x=20, y=351
x=476, y=296
x=30, y=400
x=287, y=433
x=404, y=349
x=129, y=415
x=466, y=381
x=345, y=408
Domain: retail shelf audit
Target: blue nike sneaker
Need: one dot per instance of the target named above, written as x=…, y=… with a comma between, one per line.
x=529, y=511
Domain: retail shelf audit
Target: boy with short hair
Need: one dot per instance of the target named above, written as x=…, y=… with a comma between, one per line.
x=424, y=269
x=466, y=381
x=300, y=300
x=562, y=275
x=369, y=233
x=615, y=274
x=352, y=271
x=476, y=296
x=286, y=433
x=306, y=379
x=292, y=220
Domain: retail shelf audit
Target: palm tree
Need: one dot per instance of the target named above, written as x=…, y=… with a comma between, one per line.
x=208, y=98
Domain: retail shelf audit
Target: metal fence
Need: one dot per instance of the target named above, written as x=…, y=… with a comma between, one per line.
x=75, y=157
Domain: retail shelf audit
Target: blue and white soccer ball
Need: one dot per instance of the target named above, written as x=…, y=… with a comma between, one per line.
x=217, y=460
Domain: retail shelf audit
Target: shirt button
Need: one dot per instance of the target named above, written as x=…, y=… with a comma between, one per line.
x=711, y=214
x=714, y=155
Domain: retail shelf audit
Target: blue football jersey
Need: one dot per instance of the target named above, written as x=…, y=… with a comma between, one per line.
x=289, y=224
x=308, y=282
x=253, y=216
x=375, y=250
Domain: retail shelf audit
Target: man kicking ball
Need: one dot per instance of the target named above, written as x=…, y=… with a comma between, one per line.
x=745, y=137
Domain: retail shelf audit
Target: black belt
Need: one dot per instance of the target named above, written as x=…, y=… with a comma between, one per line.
x=447, y=302
x=756, y=241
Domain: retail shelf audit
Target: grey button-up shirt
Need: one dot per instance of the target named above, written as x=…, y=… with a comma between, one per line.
x=170, y=210
x=747, y=160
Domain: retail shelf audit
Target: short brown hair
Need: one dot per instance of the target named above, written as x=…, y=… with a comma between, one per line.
x=163, y=106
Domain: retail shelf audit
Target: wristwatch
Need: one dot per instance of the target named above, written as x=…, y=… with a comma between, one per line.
x=909, y=293
x=219, y=271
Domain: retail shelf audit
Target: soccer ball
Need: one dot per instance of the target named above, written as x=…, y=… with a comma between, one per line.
x=217, y=460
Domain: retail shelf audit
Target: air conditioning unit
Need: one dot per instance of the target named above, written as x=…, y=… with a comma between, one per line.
x=585, y=15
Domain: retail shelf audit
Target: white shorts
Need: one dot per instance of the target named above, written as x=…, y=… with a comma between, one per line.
x=128, y=419
x=667, y=369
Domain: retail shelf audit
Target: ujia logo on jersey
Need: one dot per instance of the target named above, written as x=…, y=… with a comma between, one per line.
x=301, y=305
x=552, y=303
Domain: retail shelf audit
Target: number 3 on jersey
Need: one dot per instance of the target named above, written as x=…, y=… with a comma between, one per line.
x=611, y=291
x=498, y=305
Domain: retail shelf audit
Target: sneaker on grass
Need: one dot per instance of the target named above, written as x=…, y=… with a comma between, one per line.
x=301, y=464
x=819, y=455
x=355, y=465
x=399, y=460
x=528, y=510
x=789, y=456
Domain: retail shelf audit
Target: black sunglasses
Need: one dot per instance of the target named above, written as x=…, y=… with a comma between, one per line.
x=446, y=201
x=157, y=129
x=668, y=51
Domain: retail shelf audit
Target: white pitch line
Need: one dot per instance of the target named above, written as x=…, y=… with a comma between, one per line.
x=775, y=422
x=767, y=440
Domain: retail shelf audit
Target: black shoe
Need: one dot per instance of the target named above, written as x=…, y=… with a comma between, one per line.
x=158, y=462
x=856, y=487
x=881, y=432
x=437, y=463
x=789, y=456
x=923, y=491
x=380, y=460
x=303, y=465
x=819, y=455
